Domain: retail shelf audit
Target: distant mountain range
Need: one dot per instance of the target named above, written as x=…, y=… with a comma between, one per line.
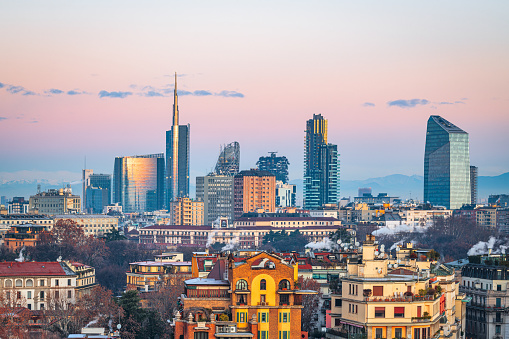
x=405, y=186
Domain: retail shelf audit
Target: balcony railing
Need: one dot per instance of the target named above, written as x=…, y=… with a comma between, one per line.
x=403, y=299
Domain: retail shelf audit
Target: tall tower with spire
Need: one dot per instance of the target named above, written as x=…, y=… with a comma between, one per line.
x=177, y=156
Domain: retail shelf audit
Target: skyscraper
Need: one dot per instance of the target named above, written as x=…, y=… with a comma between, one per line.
x=275, y=165
x=446, y=164
x=253, y=190
x=473, y=184
x=177, y=156
x=321, y=166
x=228, y=162
x=138, y=182
x=216, y=192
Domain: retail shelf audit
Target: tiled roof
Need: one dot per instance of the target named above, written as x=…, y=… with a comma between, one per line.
x=177, y=227
x=286, y=219
x=13, y=268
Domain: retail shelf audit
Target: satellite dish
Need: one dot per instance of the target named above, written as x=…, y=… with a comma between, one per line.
x=376, y=252
x=395, y=265
x=379, y=271
x=119, y=326
x=390, y=265
x=397, y=248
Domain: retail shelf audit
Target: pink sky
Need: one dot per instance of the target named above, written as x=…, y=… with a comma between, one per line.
x=288, y=60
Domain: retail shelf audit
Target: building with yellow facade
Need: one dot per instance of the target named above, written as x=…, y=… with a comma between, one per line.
x=185, y=211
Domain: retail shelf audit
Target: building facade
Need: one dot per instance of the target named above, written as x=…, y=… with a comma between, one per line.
x=139, y=182
x=185, y=211
x=52, y=202
x=275, y=165
x=446, y=164
x=473, y=184
x=254, y=190
x=18, y=205
x=321, y=166
x=92, y=224
x=216, y=192
x=228, y=162
x=177, y=156
x=286, y=194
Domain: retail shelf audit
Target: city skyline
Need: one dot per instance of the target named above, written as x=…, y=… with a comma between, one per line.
x=377, y=71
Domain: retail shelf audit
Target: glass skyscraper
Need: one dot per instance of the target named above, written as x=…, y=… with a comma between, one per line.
x=446, y=164
x=177, y=156
x=321, y=166
x=138, y=182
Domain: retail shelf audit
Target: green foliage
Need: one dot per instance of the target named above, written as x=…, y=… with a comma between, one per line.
x=223, y=317
x=113, y=236
x=341, y=234
x=285, y=241
x=433, y=255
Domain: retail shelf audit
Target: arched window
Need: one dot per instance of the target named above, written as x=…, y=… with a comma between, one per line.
x=30, y=283
x=8, y=283
x=241, y=285
x=263, y=285
x=284, y=284
x=19, y=283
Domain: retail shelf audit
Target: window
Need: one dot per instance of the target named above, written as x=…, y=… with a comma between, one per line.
x=417, y=333
x=41, y=282
x=424, y=333
x=379, y=312
x=262, y=299
x=263, y=285
x=498, y=302
x=499, y=287
x=379, y=333
x=41, y=295
x=284, y=284
x=398, y=333
x=42, y=306
x=69, y=294
x=56, y=282
x=399, y=312
x=201, y=335
x=284, y=334
x=378, y=291
x=284, y=317
x=241, y=317
x=284, y=299
x=19, y=283
x=68, y=282
x=8, y=283
x=57, y=294
x=29, y=294
x=263, y=334
x=241, y=285
x=30, y=283
x=498, y=329
x=337, y=302
x=18, y=295
x=29, y=306
x=263, y=317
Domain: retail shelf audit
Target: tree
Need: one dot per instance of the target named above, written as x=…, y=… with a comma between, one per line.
x=341, y=234
x=285, y=242
x=310, y=303
x=114, y=235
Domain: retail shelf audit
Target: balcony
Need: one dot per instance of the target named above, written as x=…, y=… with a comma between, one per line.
x=403, y=299
x=498, y=321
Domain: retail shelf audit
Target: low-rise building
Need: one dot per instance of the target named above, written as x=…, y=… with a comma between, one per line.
x=25, y=235
x=53, y=202
x=92, y=224
x=18, y=205
x=415, y=217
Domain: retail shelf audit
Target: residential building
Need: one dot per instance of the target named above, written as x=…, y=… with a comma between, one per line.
x=473, y=184
x=275, y=165
x=18, y=205
x=254, y=190
x=177, y=156
x=8, y=220
x=185, y=211
x=138, y=182
x=260, y=292
x=54, y=201
x=321, y=166
x=417, y=217
x=446, y=164
x=25, y=235
x=486, y=217
x=216, y=192
x=38, y=285
x=403, y=297
x=485, y=281
x=92, y=224
x=228, y=162
x=381, y=198
x=286, y=194
x=503, y=220
x=85, y=280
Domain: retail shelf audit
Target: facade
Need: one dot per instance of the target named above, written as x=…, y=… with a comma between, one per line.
x=503, y=220
x=185, y=211
x=486, y=217
x=177, y=156
x=85, y=182
x=499, y=200
x=321, y=166
x=381, y=198
x=473, y=184
x=397, y=298
x=85, y=280
x=92, y=224
x=8, y=220
x=52, y=202
x=260, y=292
x=446, y=165
x=96, y=191
x=38, y=285
x=228, y=162
x=485, y=283
x=216, y=192
x=138, y=182
x=254, y=190
x=18, y=205
x=286, y=194
x=25, y=235
x=423, y=217
x=275, y=165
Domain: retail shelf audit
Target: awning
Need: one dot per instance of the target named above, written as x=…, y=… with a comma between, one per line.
x=344, y=322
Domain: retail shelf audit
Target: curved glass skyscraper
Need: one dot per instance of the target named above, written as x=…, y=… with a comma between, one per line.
x=446, y=164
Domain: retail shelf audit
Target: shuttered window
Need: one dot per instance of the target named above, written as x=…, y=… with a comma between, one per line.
x=399, y=312
x=378, y=291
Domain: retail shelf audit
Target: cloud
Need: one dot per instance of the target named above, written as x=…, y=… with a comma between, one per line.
x=15, y=89
x=29, y=93
x=2, y=85
x=181, y=92
x=201, y=93
x=152, y=94
x=368, y=104
x=230, y=94
x=408, y=103
x=55, y=91
x=72, y=92
x=445, y=103
x=3, y=118
x=459, y=102
x=104, y=94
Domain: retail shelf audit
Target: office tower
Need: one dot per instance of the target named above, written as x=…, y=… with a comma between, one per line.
x=473, y=184
x=286, y=194
x=364, y=190
x=446, y=164
x=85, y=182
x=253, y=190
x=275, y=165
x=228, y=162
x=185, y=211
x=177, y=156
x=321, y=166
x=216, y=192
x=97, y=193
x=3, y=200
x=138, y=182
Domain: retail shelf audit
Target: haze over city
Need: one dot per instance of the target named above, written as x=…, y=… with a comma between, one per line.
x=95, y=80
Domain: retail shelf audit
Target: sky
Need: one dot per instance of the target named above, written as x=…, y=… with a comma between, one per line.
x=94, y=79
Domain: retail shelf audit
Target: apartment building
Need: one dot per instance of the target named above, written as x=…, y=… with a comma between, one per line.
x=185, y=211
x=92, y=224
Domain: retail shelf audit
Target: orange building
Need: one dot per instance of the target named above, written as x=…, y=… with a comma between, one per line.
x=23, y=235
x=243, y=297
x=254, y=190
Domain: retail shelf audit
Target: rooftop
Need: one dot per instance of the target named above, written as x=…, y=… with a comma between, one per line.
x=13, y=268
x=207, y=281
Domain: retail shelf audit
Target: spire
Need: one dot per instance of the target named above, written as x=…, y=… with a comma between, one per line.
x=175, y=104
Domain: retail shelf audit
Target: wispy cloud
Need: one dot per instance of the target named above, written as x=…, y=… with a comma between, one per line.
x=106, y=94
x=230, y=94
x=54, y=91
x=368, y=104
x=2, y=85
x=15, y=89
x=408, y=103
x=29, y=93
x=152, y=94
x=3, y=118
x=73, y=92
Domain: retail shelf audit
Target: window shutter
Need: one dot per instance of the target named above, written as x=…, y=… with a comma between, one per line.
x=378, y=291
